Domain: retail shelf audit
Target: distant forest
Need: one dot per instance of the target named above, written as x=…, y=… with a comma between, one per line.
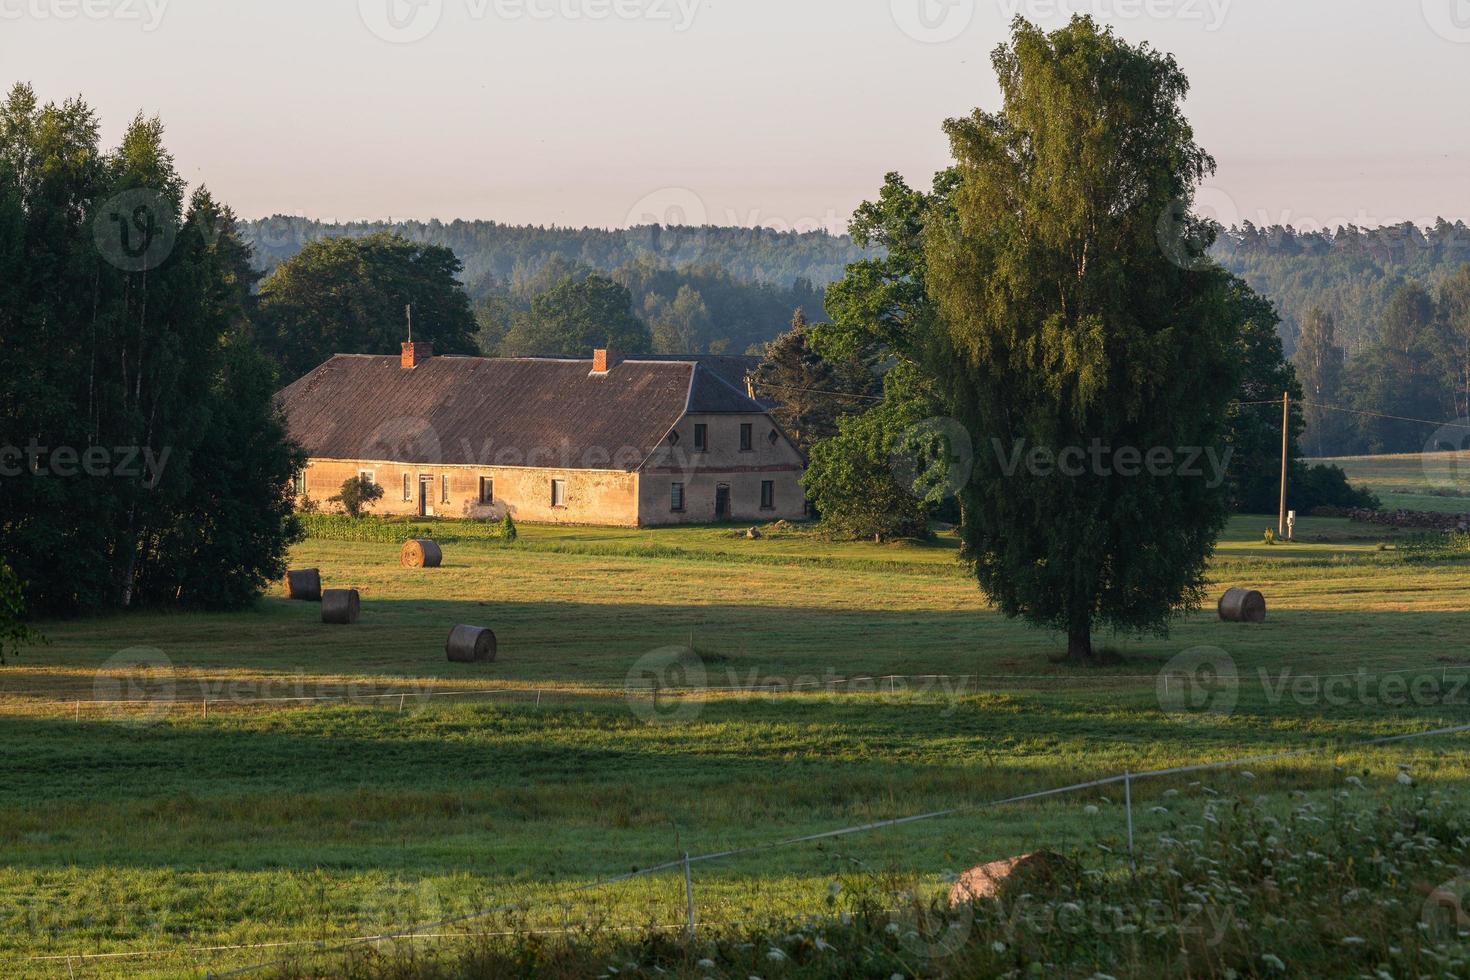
x=1374, y=320
x=1350, y=274
x=701, y=290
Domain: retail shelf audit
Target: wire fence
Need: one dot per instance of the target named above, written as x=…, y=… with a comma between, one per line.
x=1126, y=779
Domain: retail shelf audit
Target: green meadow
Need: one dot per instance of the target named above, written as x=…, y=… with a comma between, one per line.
x=1438, y=482
x=276, y=783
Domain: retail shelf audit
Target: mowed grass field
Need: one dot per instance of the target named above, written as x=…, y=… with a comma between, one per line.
x=1437, y=482
x=150, y=838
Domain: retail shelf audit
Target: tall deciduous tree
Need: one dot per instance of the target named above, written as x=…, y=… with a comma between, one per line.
x=123, y=372
x=574, y=318
x=1452, y=338
x=1064, y=325
x=1319, y=367
x=348, y=296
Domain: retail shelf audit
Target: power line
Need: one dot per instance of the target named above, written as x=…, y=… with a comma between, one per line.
x=1380, y=415
x=818, y=391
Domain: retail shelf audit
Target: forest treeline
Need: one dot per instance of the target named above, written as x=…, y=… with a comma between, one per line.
x=1376, y=322
x=707, y=290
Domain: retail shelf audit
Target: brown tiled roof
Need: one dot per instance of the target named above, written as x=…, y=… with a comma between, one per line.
x=498, y=411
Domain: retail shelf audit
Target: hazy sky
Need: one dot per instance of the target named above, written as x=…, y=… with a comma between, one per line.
x=776, y=112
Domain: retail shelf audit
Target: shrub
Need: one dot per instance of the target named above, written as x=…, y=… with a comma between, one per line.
x=14, y=633
x=508, y=530
x=1328, y=486
x=357, y=493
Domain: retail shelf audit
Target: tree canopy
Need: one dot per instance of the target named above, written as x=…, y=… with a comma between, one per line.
x=350, y=295
x=576, y=316
x=155, y=468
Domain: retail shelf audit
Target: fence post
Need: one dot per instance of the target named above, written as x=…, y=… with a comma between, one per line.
x=206, y=709
x=78, y=715
x=689, y=894
x=400, y=703
x=1128, y=805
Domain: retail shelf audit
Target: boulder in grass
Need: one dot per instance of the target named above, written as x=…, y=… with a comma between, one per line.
x=1039, y=872
x=304, y=585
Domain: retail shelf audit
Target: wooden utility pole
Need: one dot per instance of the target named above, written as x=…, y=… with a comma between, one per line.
x=1285, y=443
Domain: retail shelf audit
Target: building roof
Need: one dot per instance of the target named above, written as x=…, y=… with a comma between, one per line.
x=547, y=412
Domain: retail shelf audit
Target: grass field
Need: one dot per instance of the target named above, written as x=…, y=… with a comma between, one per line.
x=170, y=828
x=1438, y=482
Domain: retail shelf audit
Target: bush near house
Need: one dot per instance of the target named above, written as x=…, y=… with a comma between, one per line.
x=356, y=494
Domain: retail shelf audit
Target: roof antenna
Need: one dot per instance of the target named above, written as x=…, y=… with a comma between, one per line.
x=408, y=311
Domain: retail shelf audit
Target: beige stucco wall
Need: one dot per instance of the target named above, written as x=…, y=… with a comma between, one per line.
x=611, y=497
x=702, y=473
x=593, y=496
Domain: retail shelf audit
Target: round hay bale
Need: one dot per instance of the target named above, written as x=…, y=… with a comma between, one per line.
x=1243, y=606
x=304, y=585
x=341, y=607
x=421, y=553
x=470, y=645
x=1039, y=873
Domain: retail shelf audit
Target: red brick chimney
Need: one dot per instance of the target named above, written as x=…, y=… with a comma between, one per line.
x=415, y=353
x=604, y=360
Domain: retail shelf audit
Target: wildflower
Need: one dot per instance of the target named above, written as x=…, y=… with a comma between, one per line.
x=1273, y=961
x=1405, y=779
x=998, y=946
x=892, y=929
x=775, y=955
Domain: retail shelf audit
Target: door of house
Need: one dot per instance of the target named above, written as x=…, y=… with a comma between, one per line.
x=722, y=502
x=426, y=496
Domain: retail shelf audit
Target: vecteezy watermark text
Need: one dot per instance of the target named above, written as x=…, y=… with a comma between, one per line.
x=1102, y=460
x=149, y=12
x=123, y=462
x=408, y=21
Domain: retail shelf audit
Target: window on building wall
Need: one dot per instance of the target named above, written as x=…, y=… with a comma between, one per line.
x=746, y=437
x=701, y=437
x=558, y=493
x=407, y=487
x=367, y=476
x=300, y=483
x=444, y=489
x=676, y=497
x=768, y=495
x=487, y=490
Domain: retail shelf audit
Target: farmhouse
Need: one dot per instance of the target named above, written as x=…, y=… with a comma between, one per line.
x=610, y=440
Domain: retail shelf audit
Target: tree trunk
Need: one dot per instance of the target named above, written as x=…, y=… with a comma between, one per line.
x=1079, y=644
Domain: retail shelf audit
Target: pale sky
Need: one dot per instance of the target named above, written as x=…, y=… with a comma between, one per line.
x=784, y=113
